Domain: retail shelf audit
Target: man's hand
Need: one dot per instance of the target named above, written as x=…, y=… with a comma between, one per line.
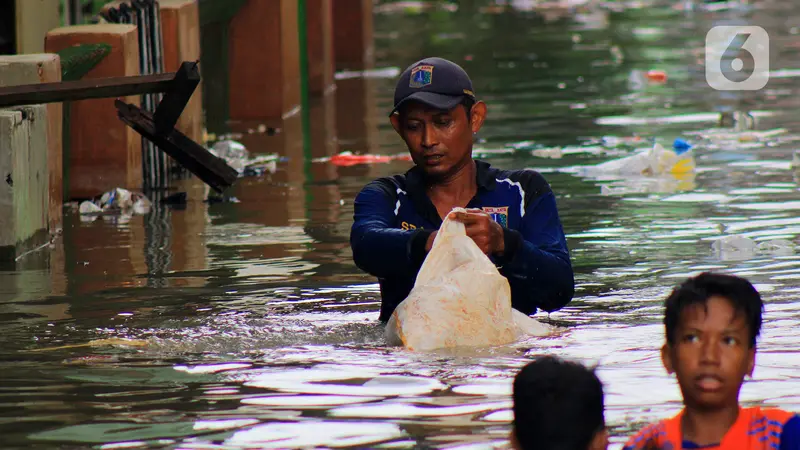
x=429, y=243
x=487, y=233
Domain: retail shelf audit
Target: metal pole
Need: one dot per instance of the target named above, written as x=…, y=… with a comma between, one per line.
x=158, y=67
x=139, y=19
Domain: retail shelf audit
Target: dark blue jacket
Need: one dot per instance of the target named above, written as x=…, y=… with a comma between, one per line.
x=394, y=217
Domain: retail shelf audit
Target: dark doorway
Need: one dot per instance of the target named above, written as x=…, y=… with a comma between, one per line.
x=8, y=30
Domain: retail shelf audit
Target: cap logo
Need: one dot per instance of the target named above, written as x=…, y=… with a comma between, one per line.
x=421, y=76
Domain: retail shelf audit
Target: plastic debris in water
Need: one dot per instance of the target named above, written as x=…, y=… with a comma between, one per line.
x=614, y=141
x=734, y=243
x=680, y=146
x=655, y=161
x=659, y=185
x=552, y=152
x=492, y=152
x=656, y=76
x=88, y=207
x=742, y=247
x=796, y=160
x=233, y=152
x=348, y=158
x=238, y=157
x=118, y=200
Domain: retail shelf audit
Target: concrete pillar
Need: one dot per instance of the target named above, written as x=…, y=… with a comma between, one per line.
x=24, y=193
x=188, y=248
x=34, y=19
x=264, y=64
x=104, y=152
x=283, y=190
x=326, y=196
x=42, y=68
x=356, y=115
x=180, y=28
x=353, y=34
x=319, y=22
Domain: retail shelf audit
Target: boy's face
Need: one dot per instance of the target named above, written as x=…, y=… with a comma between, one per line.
x=711, y=354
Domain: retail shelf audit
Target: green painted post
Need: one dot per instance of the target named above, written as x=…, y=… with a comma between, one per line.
x=304, y=84
x=305, y=107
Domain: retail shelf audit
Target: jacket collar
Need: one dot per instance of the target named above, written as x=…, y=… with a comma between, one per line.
x=484, y=176
x=417, y=188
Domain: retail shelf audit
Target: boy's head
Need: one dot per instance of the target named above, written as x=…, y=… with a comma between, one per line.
x=712, y=322
x=558, y=405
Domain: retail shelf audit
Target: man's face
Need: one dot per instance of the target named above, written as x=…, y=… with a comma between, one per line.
x=440, y=142
x=711, y=354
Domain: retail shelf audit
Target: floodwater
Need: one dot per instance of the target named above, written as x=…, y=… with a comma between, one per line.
x=261, y=332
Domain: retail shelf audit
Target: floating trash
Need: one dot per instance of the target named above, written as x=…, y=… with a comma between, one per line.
x=236, y=155
x=737, y=247
x=681, y=146
x=414, y=7
x=386, y=72
x=492, y=152
x=659, y=185
x=726, y=135
x=233, y=152
x=348, y=158
x=119, y=201
x=614, y=141
x=656, y=76
x=552, y=152
x=655, y=161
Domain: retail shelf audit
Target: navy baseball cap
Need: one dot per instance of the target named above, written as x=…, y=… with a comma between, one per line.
x=435, y=82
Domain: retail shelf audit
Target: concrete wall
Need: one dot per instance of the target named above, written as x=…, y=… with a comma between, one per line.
x=42, y=68
x=24, y=181
x=34, y=19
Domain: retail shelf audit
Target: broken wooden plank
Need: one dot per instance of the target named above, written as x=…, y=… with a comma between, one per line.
x=35, y=94
x=214, y=171
x=175, y=100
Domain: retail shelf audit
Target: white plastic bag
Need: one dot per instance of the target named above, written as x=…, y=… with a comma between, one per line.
x=459, y=299
x=656, y=161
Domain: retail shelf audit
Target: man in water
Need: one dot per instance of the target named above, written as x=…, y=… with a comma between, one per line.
x=512, y=215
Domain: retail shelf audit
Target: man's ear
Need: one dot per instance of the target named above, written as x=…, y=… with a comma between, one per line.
x=600, y=440
x=477, y=116
x=666, y=358
x=395, y=119
x=512, y=439
x=751, y=360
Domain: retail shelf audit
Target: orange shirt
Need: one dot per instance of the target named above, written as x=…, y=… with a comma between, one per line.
x=755, y=428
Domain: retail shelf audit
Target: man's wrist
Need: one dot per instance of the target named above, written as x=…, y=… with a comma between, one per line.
x=512, y=241
x=499, y=239
x=418, y=248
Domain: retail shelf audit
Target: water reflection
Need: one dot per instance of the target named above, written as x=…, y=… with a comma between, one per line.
x=256, y=326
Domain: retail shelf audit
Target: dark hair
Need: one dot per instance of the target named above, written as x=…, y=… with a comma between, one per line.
x=558, y=405
x=742, y=295
x=468, y=103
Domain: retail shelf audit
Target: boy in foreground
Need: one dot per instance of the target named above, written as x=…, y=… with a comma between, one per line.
x=712, y=322
x=558, y=405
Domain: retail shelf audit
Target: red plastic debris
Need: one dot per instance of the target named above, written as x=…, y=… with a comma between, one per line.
x=657, y=76
x=349, y=159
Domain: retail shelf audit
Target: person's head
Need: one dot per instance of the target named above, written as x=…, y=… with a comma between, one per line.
x=712, y=322
x=436, y=113
x=558, y=405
